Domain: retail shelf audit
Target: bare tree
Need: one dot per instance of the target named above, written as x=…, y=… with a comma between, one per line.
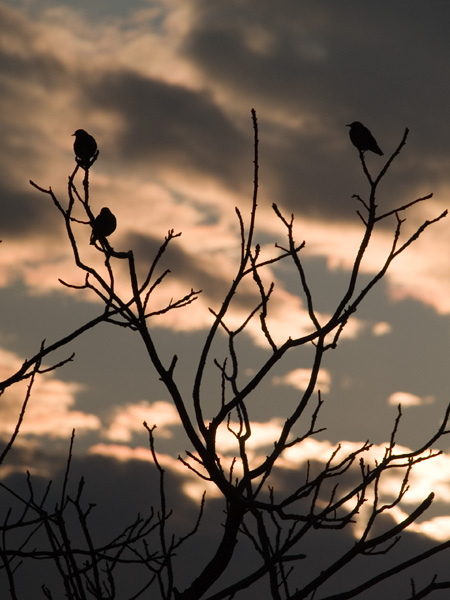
x=275, y=524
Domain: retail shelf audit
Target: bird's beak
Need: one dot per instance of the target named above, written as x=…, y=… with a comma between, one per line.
x=73, y=134
x=348, y=125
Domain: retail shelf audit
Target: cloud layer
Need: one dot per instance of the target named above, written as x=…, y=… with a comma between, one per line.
x=166, y=88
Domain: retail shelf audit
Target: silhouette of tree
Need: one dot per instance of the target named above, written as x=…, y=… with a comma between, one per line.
x=274, y=524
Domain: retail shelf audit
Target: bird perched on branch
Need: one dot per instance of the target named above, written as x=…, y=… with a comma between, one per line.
x=362, y=138
x=104, y=224
x=85, y=148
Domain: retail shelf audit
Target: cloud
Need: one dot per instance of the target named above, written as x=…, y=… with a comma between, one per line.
x=408, y=399
x=128, y=418
x=425, y=477
x=381, y=328
x=437, y=528
x=50, y=409
x=122, y=452
x=300, y=378
x=167, y=88
x=172, y=120
x=191, y=485
x=263, y=435
x=171, y=128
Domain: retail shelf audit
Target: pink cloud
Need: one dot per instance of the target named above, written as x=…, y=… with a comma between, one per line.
x=50, y=409
x=127, y=420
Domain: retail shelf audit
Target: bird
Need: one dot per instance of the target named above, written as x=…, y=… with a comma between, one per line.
x=104, y=224
x=362, y=138
x=85, y=147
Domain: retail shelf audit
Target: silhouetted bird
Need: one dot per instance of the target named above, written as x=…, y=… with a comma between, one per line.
x=85, y=147
x=362, y=138
x=104, y=224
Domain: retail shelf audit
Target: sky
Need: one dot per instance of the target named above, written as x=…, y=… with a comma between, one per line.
x=167, y=89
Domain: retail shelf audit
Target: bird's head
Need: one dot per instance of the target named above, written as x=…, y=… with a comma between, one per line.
x=79, y=132
x=354, y=124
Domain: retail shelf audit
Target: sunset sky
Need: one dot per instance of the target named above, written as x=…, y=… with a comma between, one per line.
x=166, y=88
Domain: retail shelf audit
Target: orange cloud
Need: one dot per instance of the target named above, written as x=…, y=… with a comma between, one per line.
x=407, y=399
x=299, y=378
x=49, y=411
x=127, y=420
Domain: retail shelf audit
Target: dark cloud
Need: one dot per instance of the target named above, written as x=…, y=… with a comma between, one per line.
x=327, y=68
x=325, y=62
x=25, y=62
x=26, y=214
x=34, y=79
x=170, y=127
x=133, y=489
x=305, y=67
